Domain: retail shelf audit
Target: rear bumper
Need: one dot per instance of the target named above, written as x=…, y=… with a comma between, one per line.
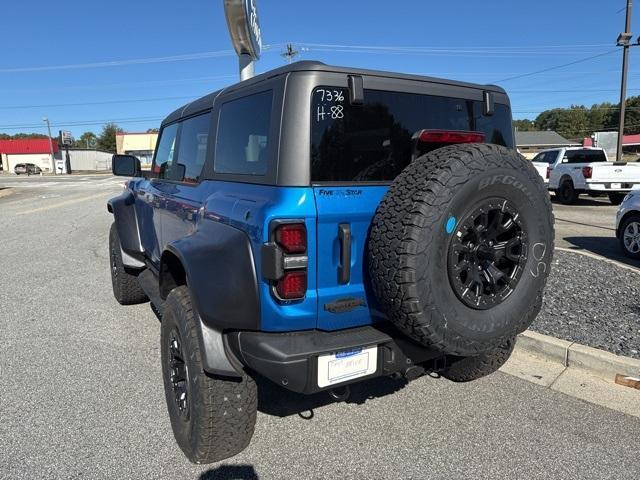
x=608, y=187
x=291, y=359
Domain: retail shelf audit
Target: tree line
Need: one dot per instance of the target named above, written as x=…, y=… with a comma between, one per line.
x=579, y=121
x=105, y=140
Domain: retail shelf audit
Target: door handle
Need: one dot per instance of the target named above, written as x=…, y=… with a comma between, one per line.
x=344, y=270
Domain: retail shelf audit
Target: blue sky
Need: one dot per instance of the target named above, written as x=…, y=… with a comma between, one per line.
x=481, y=41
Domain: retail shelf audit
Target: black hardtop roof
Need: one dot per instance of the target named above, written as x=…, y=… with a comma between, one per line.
x=206, y=102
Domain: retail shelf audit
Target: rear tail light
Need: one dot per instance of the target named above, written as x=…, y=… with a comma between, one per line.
x=450, y=136
x=285, y=261
x=292, y=237
x=293, y=285
x=549, y=172
x=587, y=172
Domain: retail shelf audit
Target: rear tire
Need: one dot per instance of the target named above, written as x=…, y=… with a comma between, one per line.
x=472, y=368
x=216, y=418
x=566, y=193
x=124, y=281
x=616, y=198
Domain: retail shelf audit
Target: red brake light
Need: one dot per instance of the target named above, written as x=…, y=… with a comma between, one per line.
x=450, y=136
x=293, y=285
x=292, y=237
x=587, y=172
x=549, y=172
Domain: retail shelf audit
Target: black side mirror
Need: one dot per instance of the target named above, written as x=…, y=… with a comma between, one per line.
x=125, y=166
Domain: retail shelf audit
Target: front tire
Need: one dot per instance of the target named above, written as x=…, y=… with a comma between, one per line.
x=630, y=236
x=212, y=418
x=472, y=368
x=124, y=281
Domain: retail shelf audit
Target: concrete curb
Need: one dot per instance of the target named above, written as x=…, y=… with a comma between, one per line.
x=595, y=256
x=570, y=354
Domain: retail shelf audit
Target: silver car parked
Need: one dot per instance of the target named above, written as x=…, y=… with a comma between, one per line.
x=628, y=224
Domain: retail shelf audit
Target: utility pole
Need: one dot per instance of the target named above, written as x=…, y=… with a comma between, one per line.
x=290, y=53
x=623, y=41
x=53, y=159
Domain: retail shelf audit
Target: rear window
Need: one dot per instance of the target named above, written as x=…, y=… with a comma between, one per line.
x=585, y=156
x=372, y=142
x=242, y=145
x=546, y=157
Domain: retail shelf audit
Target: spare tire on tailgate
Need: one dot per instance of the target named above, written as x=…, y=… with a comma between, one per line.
x=460, y=248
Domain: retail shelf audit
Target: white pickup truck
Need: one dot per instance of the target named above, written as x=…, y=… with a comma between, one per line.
x=571, y=171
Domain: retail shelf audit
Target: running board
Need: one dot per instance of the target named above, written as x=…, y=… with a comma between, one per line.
x=151, y=286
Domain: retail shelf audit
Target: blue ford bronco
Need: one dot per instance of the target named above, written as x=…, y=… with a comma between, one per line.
x=318, y=226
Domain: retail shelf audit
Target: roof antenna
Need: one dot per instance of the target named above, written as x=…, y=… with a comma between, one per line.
x=290, y=53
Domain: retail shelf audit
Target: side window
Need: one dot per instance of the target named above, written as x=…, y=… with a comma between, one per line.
x=165, y=152
x=192, y=151
x=242, y=144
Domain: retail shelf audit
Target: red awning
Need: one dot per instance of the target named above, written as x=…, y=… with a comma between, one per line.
x=27, y=145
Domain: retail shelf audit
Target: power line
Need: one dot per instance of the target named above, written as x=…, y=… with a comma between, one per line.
x=120, y=63
x=105, y=102
x=556, y=67
x=84, y=123
x=449, y=49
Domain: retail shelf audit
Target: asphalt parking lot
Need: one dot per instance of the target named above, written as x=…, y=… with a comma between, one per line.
x=81, y=392
x=589, y=225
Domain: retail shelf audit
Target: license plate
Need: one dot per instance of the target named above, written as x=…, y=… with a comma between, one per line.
x=616, y=186
x=343, y=366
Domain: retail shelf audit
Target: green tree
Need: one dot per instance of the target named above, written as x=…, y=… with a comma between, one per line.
x=573, y=122
x=86, y=140
x=107, y=139
x=524, y=125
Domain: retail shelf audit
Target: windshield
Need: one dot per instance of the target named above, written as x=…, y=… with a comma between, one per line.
x=372, y=142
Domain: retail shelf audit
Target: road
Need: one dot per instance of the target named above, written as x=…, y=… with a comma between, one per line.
x=589, y=225
x=81, y=393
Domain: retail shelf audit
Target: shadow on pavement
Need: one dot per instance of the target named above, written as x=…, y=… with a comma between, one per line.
x=608, y=247
x=277, y=401
x=230, y=472
x=585, y=201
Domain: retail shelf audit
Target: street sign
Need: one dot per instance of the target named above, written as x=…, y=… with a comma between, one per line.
x=66, y=138
x=244, y=27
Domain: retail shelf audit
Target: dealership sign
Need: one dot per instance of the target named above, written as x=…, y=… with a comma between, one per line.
x=244, y=27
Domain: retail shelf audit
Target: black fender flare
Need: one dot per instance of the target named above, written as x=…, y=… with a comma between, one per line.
x=124, y=214
x=220, y=272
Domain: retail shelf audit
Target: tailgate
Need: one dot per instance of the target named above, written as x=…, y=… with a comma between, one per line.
x=610, y=172
x=344, y=217
x=541, y=168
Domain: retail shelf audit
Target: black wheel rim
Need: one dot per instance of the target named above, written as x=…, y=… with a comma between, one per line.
x=487, y=254
x=178, y=374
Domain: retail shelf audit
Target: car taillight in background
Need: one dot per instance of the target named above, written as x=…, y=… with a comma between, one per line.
x=285, y=261
x=587, y=172
x=549, y=172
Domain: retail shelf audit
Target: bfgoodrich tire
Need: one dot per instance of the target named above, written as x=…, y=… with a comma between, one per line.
x=472, y=368
x=460, y=248
x=124, y=281
x=212, y=418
